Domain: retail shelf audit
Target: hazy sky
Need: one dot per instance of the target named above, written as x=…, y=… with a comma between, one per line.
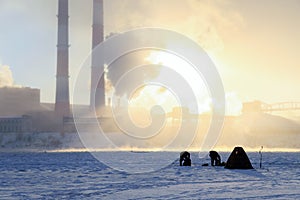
x=255, y=44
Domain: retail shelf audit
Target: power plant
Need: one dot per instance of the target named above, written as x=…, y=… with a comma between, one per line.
x=49, y=117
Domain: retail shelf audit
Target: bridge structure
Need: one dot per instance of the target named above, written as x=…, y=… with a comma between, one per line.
x=281, y=106
x=258, y=106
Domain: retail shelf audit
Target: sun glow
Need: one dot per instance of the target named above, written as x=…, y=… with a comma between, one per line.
x=150, y=95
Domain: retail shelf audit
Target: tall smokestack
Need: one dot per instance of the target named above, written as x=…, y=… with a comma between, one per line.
x=97, y=97
x=62, y=102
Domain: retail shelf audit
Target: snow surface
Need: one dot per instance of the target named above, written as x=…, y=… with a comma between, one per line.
x=80, y=176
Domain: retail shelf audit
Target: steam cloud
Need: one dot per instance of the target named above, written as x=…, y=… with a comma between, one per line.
x=6, y=77
x=205, y=22
x=124, y=65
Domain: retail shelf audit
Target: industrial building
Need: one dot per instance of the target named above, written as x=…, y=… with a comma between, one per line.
x=15, y=124
x=19, y=101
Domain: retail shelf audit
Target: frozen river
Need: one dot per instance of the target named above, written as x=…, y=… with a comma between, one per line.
x=81, y=176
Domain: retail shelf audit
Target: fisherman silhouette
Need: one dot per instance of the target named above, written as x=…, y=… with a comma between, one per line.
x=185, y=159
x=215, y=158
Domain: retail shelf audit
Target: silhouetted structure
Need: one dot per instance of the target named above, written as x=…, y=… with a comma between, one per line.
x=238, y=159
x=185, y=159
x=97, y=96
x=62, y=101
x=215, y=158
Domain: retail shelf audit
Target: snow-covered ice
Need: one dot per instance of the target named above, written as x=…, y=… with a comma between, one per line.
x=80, y=176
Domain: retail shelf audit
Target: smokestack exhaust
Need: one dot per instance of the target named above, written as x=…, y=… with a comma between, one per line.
x=97, y=96
x=62, y=101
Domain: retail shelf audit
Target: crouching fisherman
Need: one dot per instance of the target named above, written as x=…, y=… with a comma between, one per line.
x=185, y=159
x=215, y=159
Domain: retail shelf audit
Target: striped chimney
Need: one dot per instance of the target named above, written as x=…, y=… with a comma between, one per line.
x=97, y=96
x=62, y=102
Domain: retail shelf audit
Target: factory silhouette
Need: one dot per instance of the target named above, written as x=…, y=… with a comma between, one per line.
x=20, y=107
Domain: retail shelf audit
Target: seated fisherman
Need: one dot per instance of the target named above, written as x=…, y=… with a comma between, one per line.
x=215, y=158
